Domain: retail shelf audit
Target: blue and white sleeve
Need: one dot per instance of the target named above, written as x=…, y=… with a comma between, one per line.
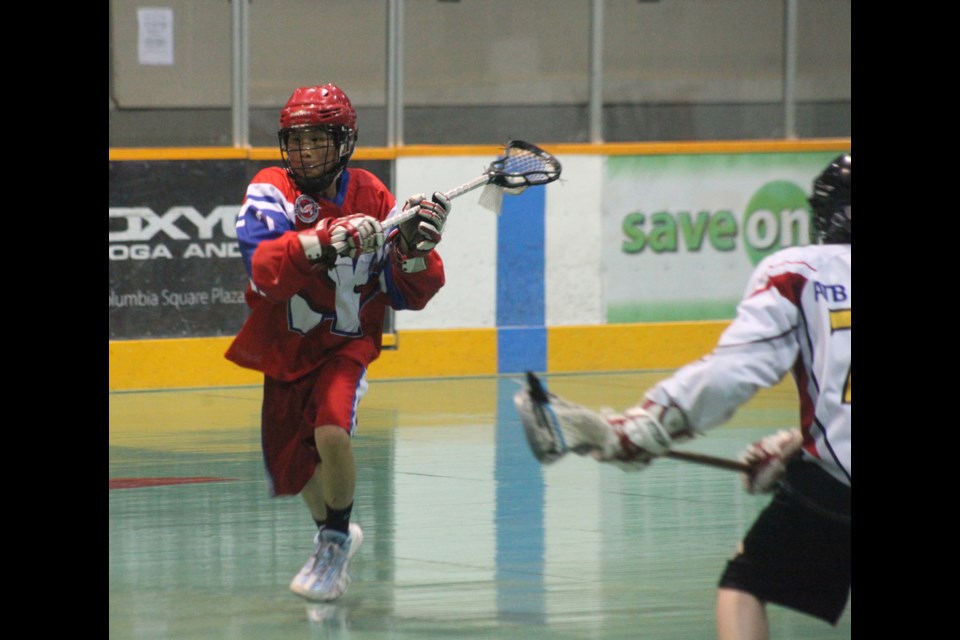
x=265, y=215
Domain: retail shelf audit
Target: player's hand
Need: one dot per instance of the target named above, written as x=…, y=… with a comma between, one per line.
x=768, y=460
x=421, y=233
x=640, y=439
x=317, y=244
x=554, y=426
x=350, y=235
x=355, y=234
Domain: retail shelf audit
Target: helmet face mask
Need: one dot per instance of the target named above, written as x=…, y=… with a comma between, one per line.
x=830, y=203
x=318, y=134
x=314, y=156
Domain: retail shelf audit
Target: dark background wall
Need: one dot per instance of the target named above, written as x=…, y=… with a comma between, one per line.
x=175, y=270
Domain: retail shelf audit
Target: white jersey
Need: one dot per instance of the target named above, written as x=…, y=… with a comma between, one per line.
x=794, y=318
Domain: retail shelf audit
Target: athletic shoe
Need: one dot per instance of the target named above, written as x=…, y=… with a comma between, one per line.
x=324, y=577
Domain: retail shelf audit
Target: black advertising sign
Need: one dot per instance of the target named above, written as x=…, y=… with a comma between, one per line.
x=175, y=267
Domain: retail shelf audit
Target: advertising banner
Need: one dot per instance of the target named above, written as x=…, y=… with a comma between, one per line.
x=682, y=233
x=175, y=267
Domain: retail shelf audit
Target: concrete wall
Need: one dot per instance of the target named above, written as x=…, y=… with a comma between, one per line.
x=669, y=70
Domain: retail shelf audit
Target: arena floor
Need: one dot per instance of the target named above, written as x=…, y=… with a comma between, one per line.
x=466, y=536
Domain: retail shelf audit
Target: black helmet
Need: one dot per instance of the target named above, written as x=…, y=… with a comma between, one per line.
x=830, y=202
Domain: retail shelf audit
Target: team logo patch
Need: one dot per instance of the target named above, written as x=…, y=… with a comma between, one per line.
x=306, y=209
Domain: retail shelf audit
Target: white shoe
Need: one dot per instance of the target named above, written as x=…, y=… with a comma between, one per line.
x=325, y=576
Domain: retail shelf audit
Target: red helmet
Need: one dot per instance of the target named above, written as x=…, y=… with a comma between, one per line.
x=318, y=133
x=317, y=106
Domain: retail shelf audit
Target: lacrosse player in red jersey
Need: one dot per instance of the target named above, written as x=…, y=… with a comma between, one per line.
x=321, y=276
x=793, y=319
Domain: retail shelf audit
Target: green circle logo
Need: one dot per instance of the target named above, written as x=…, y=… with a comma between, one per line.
x=777, y=216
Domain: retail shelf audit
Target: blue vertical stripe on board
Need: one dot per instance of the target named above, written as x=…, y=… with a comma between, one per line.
x=521, y=345
x=520, y=574
x=521, y=334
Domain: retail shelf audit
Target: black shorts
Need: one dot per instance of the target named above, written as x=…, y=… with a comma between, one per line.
x=797, y=553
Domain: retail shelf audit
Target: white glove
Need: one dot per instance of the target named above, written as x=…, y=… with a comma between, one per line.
x=554, y=428
x=640, y=438
x=768, y=459
x=356, y=234
x=350, y=235
x=421, y=233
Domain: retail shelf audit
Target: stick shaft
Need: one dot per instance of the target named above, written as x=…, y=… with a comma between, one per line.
x=710, y=461
x=456, y=192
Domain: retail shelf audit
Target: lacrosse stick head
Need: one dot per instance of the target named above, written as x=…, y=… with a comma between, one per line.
x=533, y=407
x=554, y=426
x=520, y=166
x=523, y=165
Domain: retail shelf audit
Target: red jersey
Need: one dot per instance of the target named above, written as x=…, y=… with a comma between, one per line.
x=301, y=314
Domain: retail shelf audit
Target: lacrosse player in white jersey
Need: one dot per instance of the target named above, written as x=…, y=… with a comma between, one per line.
x=793, y=319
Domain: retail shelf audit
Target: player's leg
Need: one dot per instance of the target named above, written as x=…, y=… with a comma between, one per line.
x=337, y=472
x=341, y=474
x=740, y=616
x=289, y=451
x=313, y=497
x=338, y=387
x=795, y=555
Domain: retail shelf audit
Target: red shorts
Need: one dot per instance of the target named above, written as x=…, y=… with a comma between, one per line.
x=329, y=395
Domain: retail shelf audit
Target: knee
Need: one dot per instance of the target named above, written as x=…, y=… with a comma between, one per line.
x=331, y=440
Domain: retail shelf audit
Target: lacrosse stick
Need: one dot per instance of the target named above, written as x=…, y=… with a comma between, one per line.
x=521, y=165
x=710, y=461
x=541, y=398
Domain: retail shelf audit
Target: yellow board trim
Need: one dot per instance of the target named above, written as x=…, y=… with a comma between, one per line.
x=179, y=153
x=558, y=149
x=183, y=363
x=626, y=347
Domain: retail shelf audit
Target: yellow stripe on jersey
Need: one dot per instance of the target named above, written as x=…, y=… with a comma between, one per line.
x=839, y=319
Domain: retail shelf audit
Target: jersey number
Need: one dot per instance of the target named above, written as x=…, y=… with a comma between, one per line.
x=301, y=317
x=839, y=321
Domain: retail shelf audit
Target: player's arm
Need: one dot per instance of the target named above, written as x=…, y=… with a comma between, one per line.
x=261, y=219
x=268, y=243
x=555, y=426
x=413, y=272
x=417, y=237
x=757, y=350
x=280, y=259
